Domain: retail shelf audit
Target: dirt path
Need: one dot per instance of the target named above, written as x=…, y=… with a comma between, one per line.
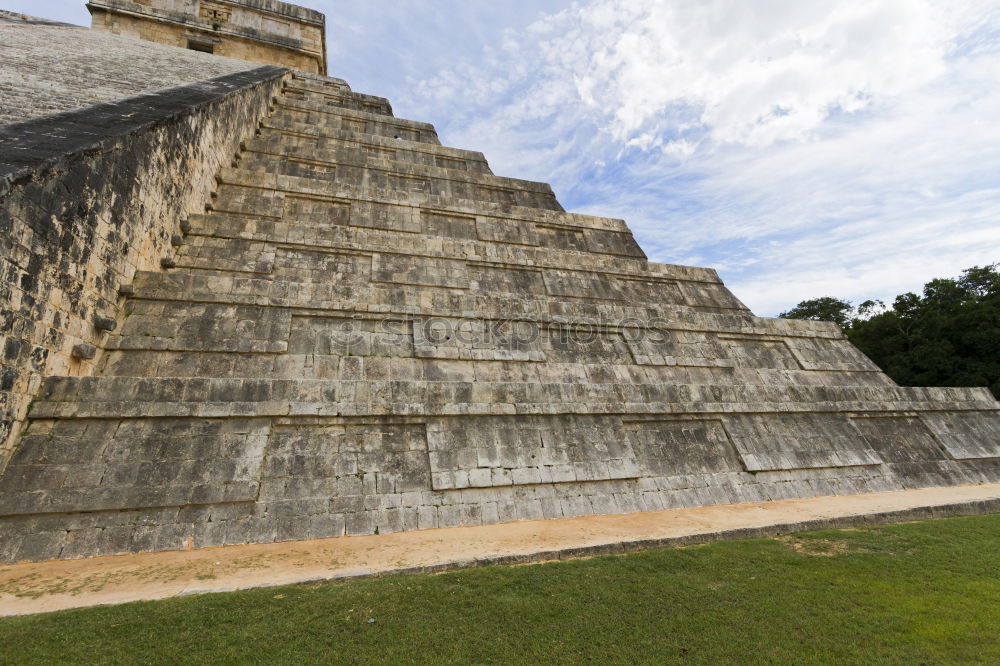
x=47, y=586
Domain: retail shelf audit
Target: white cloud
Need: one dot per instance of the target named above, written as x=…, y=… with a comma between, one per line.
x=804, y=148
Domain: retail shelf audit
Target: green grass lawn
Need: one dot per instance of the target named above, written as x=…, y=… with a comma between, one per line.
x=917, y=593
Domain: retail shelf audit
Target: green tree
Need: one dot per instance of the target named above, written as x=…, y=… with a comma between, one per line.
x=824, y=308
x=947, y=336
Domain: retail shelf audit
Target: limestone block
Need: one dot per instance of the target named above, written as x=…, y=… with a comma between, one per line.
x=966, y=435
x=204, y=327
x=900, y=438
x=402, y=269
x=796, y=441
x=504, y=451
x=681, y=446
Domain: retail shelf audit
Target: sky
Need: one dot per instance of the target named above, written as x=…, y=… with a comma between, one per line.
x=803, y=149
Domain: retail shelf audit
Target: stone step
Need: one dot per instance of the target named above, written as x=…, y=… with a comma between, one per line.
x=305, y=134
x=248, y=289
x=351, y=159
x=260, y=194
x=148, y=397
x=271, y=146
x=377, y=152
x=139, y=362
x=224, y=289
x=408, y=281
x=324, y=84
x=209, y=286
x=432, y=235
x=359, y=122
x=383, y=227
x=332, y=84
x=177, y=288
x=296, y=96
x=396, y=181
x=301, y=90
x=416, y=183
x=346, y=195
x=185, y=326
x=771, y=428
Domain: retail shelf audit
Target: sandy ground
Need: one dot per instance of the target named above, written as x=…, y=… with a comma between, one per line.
x=55, y=585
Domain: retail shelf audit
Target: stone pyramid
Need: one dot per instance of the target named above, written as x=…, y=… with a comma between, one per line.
x=368, y=332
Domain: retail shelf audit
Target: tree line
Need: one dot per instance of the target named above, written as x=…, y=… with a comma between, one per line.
x=947, y=336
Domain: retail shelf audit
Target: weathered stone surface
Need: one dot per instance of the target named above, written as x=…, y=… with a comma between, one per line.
x=84, y=351
x=368, y=332
x=265, y=31
x=90, y=197
x=51, y=68
x=105, y=323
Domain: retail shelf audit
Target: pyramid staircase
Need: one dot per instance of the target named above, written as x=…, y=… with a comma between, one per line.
x=368, y=332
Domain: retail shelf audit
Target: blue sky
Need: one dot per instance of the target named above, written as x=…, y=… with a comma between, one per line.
x=803, y=149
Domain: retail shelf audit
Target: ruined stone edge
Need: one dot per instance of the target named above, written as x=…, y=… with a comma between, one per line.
x=32, y=146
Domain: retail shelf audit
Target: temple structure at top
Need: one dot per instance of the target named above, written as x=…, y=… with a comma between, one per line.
x=264, y=31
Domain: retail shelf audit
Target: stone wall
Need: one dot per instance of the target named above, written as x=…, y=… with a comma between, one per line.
x=263, y=31
x=367, y=331
x=90, y=197
x=53, y=68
